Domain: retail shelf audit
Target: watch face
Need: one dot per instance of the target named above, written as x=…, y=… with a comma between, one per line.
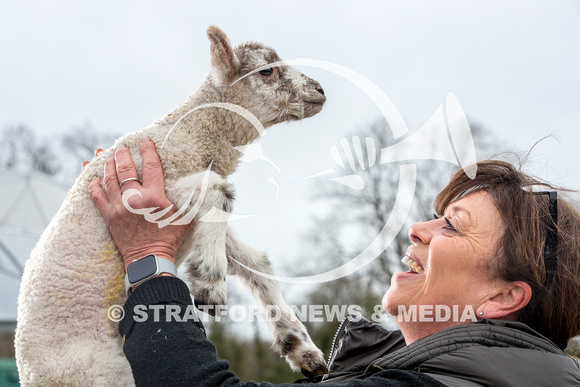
x=141, y=269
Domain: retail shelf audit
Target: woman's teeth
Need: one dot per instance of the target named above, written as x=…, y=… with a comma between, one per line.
x=412, y=264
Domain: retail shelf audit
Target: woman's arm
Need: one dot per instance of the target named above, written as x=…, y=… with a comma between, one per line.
x=167, y=345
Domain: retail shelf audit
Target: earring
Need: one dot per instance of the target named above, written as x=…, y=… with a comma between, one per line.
x=481, y=312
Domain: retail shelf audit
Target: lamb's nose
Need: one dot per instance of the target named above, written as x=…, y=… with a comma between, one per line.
x=320, y=89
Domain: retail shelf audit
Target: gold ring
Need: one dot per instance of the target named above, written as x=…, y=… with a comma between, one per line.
x=126, y=180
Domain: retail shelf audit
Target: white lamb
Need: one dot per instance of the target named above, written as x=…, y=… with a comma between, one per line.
x=75, y=273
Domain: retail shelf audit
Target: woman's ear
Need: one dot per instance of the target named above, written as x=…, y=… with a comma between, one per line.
x=507, y=301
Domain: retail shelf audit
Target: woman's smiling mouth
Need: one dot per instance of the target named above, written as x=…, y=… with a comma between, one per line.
x=417, y=268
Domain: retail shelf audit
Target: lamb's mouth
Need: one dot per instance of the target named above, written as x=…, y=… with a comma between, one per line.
x=412, y=264
x=316, y=101
x=311, y=108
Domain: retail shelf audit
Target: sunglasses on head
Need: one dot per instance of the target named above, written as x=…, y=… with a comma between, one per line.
x=550, y=258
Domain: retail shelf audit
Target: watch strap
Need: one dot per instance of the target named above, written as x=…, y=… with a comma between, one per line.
x=163, y=266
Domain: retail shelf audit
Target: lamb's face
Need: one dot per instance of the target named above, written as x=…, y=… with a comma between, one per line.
x=275, y=94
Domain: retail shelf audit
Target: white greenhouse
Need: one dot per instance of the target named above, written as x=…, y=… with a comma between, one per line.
x=28, y=201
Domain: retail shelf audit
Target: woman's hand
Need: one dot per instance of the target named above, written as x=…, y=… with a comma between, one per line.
x=135, y=236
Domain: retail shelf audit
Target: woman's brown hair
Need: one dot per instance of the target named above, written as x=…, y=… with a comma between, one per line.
x=555, y=311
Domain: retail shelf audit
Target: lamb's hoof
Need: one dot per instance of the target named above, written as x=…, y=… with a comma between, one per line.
x=313, y=364
x=301, y=353
x=322, y=370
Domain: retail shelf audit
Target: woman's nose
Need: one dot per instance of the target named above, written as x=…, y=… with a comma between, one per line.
x=421, y=232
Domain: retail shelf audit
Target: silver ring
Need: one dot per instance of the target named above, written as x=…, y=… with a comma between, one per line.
x=126, y=180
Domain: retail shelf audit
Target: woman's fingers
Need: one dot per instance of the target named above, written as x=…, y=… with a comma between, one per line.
x=120, y=174
x=126, y=172
x=98, y=196
x=110, y=178
x=152, y=171
x=134, y=234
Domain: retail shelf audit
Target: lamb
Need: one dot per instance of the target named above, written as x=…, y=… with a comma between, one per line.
x=75, y=273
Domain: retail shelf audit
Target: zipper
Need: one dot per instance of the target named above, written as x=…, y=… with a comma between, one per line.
x=341, y=329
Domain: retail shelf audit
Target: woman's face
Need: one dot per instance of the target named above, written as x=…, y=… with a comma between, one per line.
x=452, y=252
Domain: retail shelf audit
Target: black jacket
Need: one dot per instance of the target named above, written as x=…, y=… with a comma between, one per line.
x=485, y=353
x=488, y=353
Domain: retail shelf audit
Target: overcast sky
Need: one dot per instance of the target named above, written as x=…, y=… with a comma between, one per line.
x=121, y=64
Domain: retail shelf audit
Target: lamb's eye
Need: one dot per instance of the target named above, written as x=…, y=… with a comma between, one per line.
x=266, y=72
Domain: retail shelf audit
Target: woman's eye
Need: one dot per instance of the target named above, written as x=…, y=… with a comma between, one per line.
x=266, y=72
x=449, y=225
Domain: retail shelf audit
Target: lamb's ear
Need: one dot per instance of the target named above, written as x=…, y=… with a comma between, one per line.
x=224, y=62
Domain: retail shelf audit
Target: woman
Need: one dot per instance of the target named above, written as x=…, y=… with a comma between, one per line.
x=500, y=255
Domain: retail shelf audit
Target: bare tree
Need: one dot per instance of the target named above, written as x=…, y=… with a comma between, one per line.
x=61, y=156
x=79, y=145
x=22, y=150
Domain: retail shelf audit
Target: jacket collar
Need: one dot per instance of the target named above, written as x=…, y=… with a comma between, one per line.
x=496, y=333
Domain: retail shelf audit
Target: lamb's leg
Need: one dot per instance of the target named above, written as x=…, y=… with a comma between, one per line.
x=290, y=336
x=203, y=250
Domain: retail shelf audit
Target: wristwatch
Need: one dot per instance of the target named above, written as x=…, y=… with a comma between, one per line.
x=142, y=269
